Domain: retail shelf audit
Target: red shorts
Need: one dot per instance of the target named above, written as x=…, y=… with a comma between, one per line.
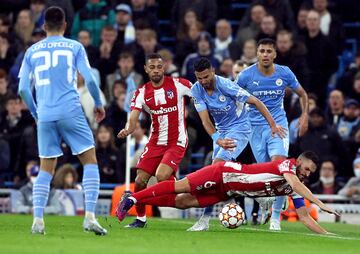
x=206, y=185
x=153, y=155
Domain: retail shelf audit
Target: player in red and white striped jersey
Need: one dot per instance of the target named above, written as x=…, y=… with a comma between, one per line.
x=163, y=98
x=224, y=180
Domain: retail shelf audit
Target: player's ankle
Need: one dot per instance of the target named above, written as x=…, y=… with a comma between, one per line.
x=141, y=218
x=90, y=215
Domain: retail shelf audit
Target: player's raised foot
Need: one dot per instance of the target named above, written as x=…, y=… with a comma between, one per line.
x=92, y=225
x=137, y=224
x=124, y=206
x=201, y=225
x=38, y=226
x=275, y=225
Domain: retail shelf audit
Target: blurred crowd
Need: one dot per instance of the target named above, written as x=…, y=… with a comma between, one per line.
x=117, y=34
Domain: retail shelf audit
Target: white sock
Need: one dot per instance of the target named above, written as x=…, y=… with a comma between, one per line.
x=38, y=220
x=90, y=215
x=142, y=218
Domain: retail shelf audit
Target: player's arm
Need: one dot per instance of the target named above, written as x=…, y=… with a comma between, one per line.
x=130, y=125
x=85, y=70
x=308, y=221
x=24, y=87
x=303, y=123
x=275, y=129
x=303, y=191
x=210, y=129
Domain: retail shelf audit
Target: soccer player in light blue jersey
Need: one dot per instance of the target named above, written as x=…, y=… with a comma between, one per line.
x=267, y=81
x=225, y=102
x=52, y=64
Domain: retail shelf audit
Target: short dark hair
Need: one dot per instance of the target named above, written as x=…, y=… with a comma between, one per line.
x=202, y=64
x=152, y=56
x=54, y=18
x=266, y=41
x=126, y=54
x=310, y=155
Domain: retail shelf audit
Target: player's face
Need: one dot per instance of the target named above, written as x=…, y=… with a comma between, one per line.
x=155, y=69
x=266, y=54
x=236, y=70
x=206, y=78
x=304, y=167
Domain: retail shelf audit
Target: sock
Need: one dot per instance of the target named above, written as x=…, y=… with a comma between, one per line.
x=162, y=188
x=208, y=210
x=276, y=207
x=140, y=208
x=167, y=200
x=41, y=191
x=91, y=184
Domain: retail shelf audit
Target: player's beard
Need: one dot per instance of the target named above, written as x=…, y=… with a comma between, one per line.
x=156, y=79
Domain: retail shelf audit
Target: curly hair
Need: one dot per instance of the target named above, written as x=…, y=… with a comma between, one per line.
x=59, y=178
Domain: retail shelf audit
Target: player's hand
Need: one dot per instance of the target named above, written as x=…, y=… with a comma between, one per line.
x=123, y=133
x=226, y=143
x=279, y=130
x=328, y=210
x=99, y=114
x=303, y=124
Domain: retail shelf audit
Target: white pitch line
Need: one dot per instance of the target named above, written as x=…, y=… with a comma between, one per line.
x=273, y=232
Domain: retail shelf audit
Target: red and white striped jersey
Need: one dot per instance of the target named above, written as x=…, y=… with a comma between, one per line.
x=257, y=180
x=166, y=105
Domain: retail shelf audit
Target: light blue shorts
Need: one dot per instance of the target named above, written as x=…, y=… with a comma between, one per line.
x=241, y=138
x=264, y=146
x=75, y=131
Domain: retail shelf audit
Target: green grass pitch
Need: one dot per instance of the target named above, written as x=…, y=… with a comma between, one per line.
x=64, y=235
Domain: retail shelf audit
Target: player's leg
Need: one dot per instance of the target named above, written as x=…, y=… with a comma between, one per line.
x=49, y=149
x=278, y=150
x=77, y=134
x=146, y=167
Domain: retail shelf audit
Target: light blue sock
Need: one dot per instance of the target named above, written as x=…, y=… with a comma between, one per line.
x=91, y=185
x=41, y=191
x=276, y=207
x=208, y=210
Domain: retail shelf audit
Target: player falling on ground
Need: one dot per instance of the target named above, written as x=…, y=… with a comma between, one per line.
x=267, y=82
x=225, y=180
x=225, y=102
x=163, y=99
x=53, y=64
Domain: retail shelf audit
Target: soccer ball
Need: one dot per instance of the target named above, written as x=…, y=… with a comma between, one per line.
x=231, y=216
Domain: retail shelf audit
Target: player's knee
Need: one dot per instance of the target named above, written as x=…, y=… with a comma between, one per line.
x=162, y=176
x=141, y=181
x=181, y=202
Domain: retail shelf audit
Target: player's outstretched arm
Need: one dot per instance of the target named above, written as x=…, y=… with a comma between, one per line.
x=26, y=95
x=308, y=221
x=210, y=129
x=303, y=191
x=130, y=125
x=303, y=123
x=275, y=129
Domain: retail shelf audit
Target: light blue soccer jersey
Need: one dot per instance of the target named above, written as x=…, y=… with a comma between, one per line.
x=53, y=64
x=225, y=105
x=269, y=89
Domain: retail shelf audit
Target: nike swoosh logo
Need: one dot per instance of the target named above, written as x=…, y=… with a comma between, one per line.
x=148, y=99
x=172, y=162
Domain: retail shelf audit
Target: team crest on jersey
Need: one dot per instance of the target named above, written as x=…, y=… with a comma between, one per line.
x=170, y=94
x=222, y=98
x=279, y=82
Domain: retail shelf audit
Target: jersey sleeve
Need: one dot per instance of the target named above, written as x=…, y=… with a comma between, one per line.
x=293, y=83
x=184, y=86
x=137, y=100
x=82, y=64
x=287, y=166
x=241, y=80
x=234, y=91
x=199, y=103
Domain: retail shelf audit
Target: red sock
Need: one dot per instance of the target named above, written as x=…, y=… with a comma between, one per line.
x=140, y=208
x=167, y=200
x=160, y=189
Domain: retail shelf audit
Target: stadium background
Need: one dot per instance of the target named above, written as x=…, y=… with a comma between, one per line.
x=117, y=56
